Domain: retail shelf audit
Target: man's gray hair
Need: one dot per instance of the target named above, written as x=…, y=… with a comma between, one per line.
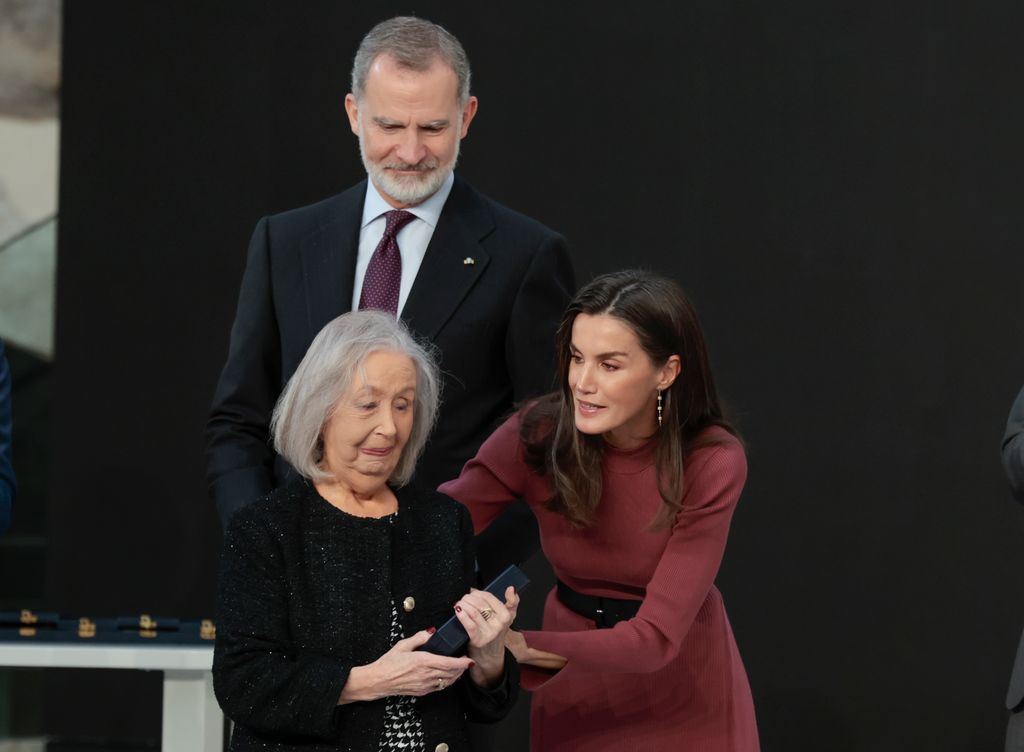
x=326, y=373
x=413, y=43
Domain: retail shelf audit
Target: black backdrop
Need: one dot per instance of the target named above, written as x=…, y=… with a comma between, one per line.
x=844, y=182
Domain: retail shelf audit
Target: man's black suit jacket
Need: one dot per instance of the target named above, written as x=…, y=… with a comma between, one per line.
x=489, y=294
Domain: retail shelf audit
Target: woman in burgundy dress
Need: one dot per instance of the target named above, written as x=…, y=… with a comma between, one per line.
x=633, y=474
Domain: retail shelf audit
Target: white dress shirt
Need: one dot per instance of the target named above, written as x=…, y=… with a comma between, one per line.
x=412, y=239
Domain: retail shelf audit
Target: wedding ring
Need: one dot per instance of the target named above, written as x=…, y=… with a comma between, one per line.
x=440, y=683
x=487, y=613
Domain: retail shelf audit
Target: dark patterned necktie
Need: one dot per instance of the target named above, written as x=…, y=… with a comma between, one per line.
x=384, y=274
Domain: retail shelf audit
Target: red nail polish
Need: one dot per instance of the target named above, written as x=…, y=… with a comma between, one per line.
x=472, y=663
x=431, y=630
x=458, y=608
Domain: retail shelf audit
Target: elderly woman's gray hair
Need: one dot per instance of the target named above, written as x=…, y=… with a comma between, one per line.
x=325, y=374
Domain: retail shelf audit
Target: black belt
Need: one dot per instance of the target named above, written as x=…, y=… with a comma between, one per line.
x=605, y=612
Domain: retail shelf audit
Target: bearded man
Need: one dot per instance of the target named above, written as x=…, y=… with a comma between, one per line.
x=485, y=284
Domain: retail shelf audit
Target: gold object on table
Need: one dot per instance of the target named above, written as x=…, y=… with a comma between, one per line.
x=147, y=626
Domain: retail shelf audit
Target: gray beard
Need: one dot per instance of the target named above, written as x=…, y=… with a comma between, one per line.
x=409, y=191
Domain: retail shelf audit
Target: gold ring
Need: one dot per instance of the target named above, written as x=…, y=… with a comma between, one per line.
x=440, y=683
x=487, y=613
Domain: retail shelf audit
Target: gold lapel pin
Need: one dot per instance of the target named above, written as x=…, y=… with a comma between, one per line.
x=468, y=261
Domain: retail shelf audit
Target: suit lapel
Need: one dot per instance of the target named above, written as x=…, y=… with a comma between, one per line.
x=329, y=259
x=453, y=263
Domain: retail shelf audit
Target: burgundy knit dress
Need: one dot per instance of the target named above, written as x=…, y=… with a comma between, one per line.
x=671, y=678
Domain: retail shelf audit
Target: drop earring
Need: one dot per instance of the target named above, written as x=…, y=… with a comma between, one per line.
x=659, y=409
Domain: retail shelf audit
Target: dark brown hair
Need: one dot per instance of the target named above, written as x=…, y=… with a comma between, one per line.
x=663, y=320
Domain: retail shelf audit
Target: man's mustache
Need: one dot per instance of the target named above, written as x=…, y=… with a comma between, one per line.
x=421, y=166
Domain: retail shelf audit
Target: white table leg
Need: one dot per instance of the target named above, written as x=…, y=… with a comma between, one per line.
x=192, y=719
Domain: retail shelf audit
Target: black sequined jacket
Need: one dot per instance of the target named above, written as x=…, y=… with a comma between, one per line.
x=306, y=593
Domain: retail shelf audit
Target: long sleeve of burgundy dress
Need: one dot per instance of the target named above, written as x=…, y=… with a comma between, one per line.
x=670, y=678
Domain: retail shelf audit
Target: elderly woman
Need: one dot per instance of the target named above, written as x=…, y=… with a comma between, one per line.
x=329, y=585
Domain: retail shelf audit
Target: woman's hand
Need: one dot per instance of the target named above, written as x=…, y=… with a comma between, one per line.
x=403, y=671
x=486, y=620
x=528, y=656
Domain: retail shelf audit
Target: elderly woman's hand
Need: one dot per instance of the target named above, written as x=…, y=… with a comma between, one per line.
x=403, y=671
x=486, y=620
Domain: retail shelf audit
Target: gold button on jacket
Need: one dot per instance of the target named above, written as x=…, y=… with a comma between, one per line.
x=409, y=604
x=442, y=747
